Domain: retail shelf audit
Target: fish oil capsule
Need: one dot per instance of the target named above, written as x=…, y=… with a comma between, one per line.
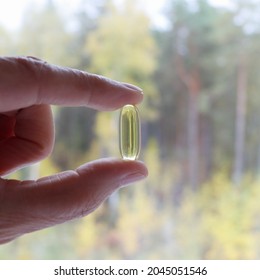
x=129, y=132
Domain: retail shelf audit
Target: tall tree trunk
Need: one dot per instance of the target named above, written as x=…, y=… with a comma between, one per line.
x=205, y=135
x=242, y=80
x=193, y=137
x=258, y=162
x=191, y=79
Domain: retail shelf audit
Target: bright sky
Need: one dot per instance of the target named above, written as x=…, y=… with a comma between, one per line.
x=11, y=11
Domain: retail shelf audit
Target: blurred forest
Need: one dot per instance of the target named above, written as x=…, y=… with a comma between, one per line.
x=200, y=121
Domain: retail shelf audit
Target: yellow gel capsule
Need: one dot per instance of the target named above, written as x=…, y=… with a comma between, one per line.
x=129, y=132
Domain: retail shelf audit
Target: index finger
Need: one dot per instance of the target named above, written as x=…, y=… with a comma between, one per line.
x=27, y=81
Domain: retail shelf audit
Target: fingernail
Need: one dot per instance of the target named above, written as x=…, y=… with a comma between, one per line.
x=132, y=87
x=131, y=178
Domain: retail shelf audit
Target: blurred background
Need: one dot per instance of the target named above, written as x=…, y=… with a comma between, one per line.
x=198, y=63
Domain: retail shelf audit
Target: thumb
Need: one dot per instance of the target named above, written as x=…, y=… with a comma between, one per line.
x=32, y=205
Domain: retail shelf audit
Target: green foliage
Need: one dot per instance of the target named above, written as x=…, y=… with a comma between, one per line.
x=75, y=132
x=122, y=48
x=43, y=34
x=222, y=219
x=106, y=131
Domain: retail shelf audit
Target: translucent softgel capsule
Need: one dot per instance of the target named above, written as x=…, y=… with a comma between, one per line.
x=129, y=132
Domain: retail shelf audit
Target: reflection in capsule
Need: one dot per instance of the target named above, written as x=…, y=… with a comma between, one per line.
x=129, y=132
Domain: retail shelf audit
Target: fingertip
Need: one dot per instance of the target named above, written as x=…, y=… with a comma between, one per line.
x=114, y=172
x=133, y=87
x=132, y=95
x=137, y=171
x=114, y=168
x=137, y=165
x=108, y=94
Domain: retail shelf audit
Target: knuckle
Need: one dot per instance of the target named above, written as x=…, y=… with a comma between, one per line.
x=32, y=68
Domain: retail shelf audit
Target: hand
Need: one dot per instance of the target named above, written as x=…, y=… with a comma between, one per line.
x=27, y=88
